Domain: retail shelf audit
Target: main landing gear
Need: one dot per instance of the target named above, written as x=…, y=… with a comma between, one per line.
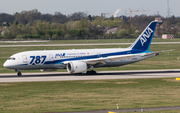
x=18, y=72
x=91, y=72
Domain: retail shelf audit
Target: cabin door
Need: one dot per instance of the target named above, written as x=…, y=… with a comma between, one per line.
x=51, y=58
x=24, y=57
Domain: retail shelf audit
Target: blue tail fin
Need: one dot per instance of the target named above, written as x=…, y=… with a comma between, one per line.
x=143, y=42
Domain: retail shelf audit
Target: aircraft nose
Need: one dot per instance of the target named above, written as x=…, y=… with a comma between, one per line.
x=7, y=64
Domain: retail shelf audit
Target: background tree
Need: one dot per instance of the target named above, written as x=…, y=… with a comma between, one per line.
x=59, y=18
x=98, y=21
x=6, y=18
x=33, y=24
x=77, y=16
x=122, y=33
x=28, y=17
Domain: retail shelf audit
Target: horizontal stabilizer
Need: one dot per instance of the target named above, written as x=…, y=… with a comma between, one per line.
x=157, y=53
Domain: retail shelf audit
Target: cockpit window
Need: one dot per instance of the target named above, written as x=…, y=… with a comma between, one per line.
x=11, y=58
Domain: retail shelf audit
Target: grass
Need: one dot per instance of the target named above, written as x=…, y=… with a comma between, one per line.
x=88, y=95
x=94, y=41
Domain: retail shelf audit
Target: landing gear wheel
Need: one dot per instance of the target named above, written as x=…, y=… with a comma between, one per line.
x=94, y=72
x=19, y=74
x=91, y=72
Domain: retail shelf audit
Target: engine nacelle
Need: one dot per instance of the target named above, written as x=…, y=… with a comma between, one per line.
x=76, y=67
x=48, y=70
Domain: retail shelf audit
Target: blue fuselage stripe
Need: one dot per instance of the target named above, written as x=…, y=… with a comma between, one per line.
x=59, y=61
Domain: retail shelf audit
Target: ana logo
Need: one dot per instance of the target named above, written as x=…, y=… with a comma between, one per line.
x=61, y=54
x=146, y=35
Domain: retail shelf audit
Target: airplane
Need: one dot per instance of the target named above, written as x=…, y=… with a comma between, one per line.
x=79, y=60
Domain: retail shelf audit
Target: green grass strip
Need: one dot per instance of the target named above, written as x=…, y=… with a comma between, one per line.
x=88, y=95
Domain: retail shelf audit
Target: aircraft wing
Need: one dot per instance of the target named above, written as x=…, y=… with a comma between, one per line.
x=103, y=60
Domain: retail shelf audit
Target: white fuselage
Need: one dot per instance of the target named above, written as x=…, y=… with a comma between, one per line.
x=52, y=59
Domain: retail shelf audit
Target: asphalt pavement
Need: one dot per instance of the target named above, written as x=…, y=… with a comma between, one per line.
x=101, y=75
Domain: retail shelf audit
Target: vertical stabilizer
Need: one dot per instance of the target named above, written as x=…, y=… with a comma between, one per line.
x=143, y=42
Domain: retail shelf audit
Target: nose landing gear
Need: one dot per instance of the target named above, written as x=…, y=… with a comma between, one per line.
x=19, y=72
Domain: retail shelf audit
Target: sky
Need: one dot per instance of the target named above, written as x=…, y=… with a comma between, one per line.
x=92, y=7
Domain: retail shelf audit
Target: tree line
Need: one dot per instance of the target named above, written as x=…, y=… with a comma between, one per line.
x=34, y=24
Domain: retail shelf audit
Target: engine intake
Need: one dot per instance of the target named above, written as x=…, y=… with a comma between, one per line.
x=76, y=67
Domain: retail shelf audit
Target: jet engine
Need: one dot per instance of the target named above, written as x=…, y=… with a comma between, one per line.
x=76, y=67
x=48, y=70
